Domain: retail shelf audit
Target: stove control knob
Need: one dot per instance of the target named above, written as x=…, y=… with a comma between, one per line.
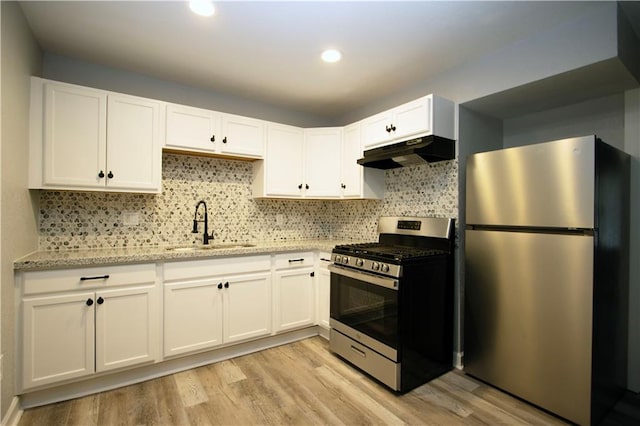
x=359, y=262
x=375, y=266
x=384, y=267
x=345, y=260
x=338, y=258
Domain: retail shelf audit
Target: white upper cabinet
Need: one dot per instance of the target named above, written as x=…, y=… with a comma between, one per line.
x=358, y=181
x=429, y=115
x=315, y=163
x=280, y=174
x=322, y=165
x=242, y=136
x=75, y=135
x=134, y=154
x=191, y=128
x=210, y=132
x=89, y=139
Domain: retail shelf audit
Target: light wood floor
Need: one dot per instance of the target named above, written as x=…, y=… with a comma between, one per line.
x=297, y=384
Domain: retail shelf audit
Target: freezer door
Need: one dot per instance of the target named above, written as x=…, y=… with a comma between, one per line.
x=544, y=185
x=528, y=317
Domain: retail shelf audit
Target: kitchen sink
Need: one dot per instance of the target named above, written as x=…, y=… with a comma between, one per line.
x=209, y=247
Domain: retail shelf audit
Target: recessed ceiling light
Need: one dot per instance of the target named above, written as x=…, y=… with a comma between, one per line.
x=202, y=7
x=331, y=55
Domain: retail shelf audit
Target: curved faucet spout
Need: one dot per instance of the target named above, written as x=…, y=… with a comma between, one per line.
x=206, y=237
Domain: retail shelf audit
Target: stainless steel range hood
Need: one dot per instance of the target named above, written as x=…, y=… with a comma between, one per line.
x=426, y=149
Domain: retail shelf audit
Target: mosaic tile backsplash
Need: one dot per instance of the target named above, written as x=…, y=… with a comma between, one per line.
x=81, y=220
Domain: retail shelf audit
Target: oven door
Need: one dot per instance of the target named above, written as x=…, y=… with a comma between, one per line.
x=365, y=307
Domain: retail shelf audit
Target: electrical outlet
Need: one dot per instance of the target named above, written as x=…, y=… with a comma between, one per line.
x=130, y=218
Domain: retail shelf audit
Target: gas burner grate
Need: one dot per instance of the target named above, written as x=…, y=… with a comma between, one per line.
x=388, y=251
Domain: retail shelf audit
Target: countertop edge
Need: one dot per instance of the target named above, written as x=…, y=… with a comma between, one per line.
x=42, y=260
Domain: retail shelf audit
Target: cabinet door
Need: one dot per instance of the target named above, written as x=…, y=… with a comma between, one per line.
x=192, y=316
x=294, y=306
x=57, y=338
x=247, y=307
x=74, y=136
x=322, y=153
x=242, y=136
x=351, y=171
x=284, y=161
x=192, y=128
x=412, y=118
x=376, y=129
x=324, y=292
x=127, y=325
x=134, y=158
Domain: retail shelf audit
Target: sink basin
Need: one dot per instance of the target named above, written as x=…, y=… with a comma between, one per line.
x=209, y=247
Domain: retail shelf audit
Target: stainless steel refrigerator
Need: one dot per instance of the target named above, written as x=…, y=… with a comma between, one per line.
x=546, y=274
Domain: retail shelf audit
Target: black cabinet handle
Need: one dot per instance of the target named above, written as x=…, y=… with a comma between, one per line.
x=313, y=274
x=89, y=302
x=226, y=285
x=224, y=140
x=343, y=186
x=213, y=138
x=325, y=259
x=97, y=277
x=100, y=300
x=296, y=260
x=393, y=128
x=220, y=286
x=306, y=186
x=300, y=186
x=388, y=129
x=110, y=175
x=101, y=174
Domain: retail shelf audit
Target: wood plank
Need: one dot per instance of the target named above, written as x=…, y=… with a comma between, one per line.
x=301, y=383
x=84, y=411
x=190, y=389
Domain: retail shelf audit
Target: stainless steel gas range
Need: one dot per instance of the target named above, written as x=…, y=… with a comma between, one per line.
x=392, y=301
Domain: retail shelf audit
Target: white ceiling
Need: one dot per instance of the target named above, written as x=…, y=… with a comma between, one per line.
x=270, y=51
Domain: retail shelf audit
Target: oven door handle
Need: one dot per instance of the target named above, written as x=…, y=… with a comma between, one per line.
x=381, y=281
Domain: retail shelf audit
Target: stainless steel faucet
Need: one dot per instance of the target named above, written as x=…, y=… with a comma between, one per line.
x=206, y=237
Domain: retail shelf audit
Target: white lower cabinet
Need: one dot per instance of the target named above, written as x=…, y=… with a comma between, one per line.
x=77, y=323
x=82, y=326
x=212, y=302
x=192, y=316
x=247, y=307
x=58, y=338
x=323, y=279
x=294, y=291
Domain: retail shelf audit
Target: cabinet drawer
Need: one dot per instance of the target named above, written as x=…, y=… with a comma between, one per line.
x=294, y=260
x=88, y=278
x=221, y=266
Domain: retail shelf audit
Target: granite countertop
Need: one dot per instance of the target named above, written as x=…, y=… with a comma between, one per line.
x=90, y=257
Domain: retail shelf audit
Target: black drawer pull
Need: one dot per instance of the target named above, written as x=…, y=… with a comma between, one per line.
x=296, y=260
x=100, y=300
x=101, y=277
x=89, y=302
x=325, y=259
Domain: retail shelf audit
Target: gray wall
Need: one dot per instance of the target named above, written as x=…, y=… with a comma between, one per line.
x=476, y=133
x=71, y=70
x=632, y=146
x=603, y=117
x=582, y=41
x=21, y=58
